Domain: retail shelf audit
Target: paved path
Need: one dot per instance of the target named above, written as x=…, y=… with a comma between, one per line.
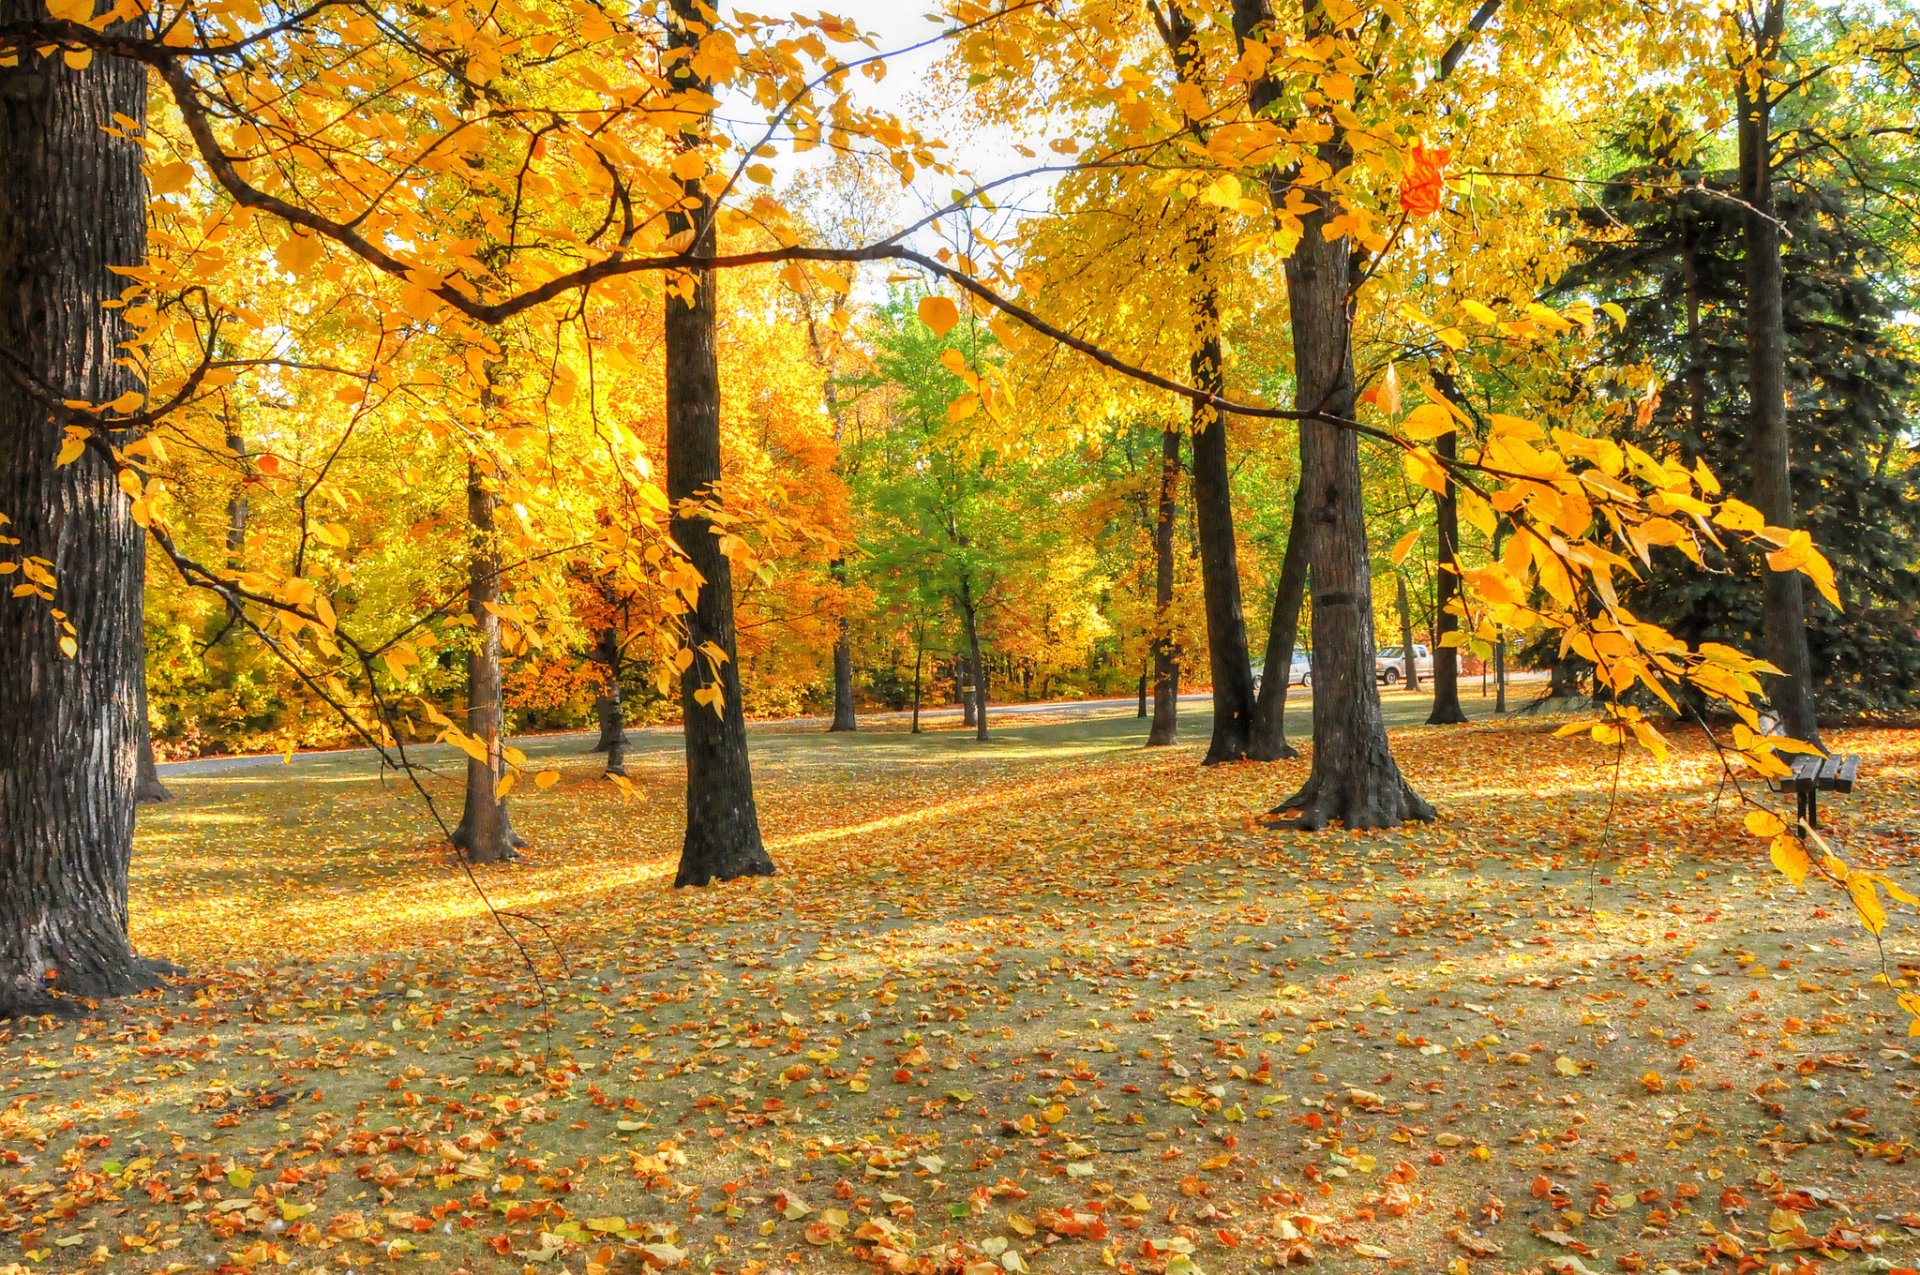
x=1113, y=718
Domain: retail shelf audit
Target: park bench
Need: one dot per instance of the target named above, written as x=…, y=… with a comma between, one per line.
x=1814, y=775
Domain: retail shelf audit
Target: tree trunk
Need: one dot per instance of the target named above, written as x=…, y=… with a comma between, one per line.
x=72, y=206
x=147, y=788
x=919, y=651
x=1166, y=655
x=963, y=680
x=723, y=825
x=611, y=705
x=843, y=718
x=1219, y=562
x=1785, y=617
x=1145, y=676
x=1354, y=777
x=1563, y=682
x=1283, y=634
x=979, y=698
x=485, y=834
x=1409, y=661
x=1446, y=657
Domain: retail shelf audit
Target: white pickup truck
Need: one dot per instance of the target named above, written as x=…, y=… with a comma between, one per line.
x=1390, y=665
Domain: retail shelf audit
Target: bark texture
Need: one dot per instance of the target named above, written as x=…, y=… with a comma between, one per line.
x=1283, y=634
x=1446, y=658
x=1354, y=777
x=1785, y=614
x=485, y=833
x=1219, y=560
x=610, y=707
x=978, y=701
x=1212, y=497
x=1409, y=659
x=843, y=718
x=73, y=204
x=1166, y=655
x=723, y=826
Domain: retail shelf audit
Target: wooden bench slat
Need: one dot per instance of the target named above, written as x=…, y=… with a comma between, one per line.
x=1846, y=772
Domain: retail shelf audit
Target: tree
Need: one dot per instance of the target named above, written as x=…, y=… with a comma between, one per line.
x=485, y=833
x=723, y=826
x=1233, y=706
x=1667, y=244
x=1785, y=627
x=1269, y=741
x=73, y=209
x=1446, y=517
x=1166, y=654
x=1354, y=778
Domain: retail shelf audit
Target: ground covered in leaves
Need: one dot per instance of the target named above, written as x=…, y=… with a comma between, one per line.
x=1050, y=1003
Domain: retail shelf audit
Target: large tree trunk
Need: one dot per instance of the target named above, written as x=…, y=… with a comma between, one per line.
x=1283, y=634
x=73, y=204
x=1785, y=615
x=723, y=825
x=1166, y=655
x=485, y=833
x=1446, y=657
x=1354, y=777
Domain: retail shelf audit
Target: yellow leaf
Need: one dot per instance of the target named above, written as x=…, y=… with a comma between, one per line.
x=939, y=313
x=1764, y=823
x=546, y=779
x=1429, y=420
x=1404, y=545
x=1789, y=856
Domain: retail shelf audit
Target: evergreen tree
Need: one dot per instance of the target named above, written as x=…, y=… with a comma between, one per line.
x=1665, y=244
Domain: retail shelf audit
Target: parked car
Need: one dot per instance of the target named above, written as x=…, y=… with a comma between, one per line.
x=1301, y=673
x=1390, y=665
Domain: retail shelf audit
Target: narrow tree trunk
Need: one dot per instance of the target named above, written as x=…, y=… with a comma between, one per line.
x=1354, y=777
x=1446, y=657
x=1144, y=678
x=979, y=697
x=1696, y=376
x=1409, y=661
x=1219, y=562
x=147, y=788
x=485, y=834
x=1500, y=675
x=73, y=204
x=919, y=650
x=1166, y=654
x=611, y=705
x=963, y=682
x=723, y=825
x=843, y=719
x=1785, y=616
x=1283, y=634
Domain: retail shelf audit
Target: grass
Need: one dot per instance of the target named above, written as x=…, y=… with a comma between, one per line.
x=1056, y=1002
